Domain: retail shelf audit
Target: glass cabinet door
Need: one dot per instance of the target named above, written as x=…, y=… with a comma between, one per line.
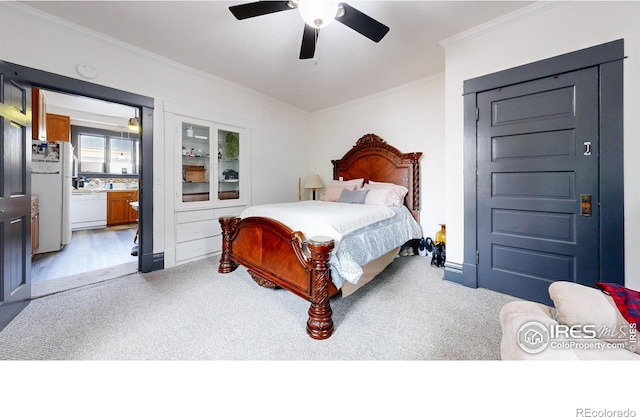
x=229, y=151
x=196, y=161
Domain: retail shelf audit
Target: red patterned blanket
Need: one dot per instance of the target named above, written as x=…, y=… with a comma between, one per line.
x=627, y=301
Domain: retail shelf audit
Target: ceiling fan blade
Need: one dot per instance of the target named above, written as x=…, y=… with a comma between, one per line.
x=362, y=23
x=258, y=8
x=309, y=39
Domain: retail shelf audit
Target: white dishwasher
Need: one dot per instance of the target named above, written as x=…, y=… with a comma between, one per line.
x=88, y=210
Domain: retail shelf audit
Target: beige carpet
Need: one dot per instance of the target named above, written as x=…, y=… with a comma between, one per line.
x=190, y=312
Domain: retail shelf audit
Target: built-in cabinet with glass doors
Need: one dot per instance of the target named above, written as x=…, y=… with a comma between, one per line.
x=211, y=164
x=228, y=164
x=212, y=181
x=195, y=162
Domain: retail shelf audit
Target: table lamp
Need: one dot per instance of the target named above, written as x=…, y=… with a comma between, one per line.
x=313, y=182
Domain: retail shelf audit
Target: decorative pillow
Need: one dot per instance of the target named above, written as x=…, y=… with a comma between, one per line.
x=354, y=197
x=383, y=196
x=374, y=184
x=390, y=192
x=357, y=182
x=333, y=192
x=579, y=304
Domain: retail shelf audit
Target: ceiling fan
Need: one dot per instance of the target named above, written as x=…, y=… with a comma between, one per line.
x=316, y=14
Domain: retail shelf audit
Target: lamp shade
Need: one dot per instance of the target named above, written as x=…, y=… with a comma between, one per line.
x=313, y=181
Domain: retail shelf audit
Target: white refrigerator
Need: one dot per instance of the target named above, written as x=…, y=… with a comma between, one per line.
x=51, y=168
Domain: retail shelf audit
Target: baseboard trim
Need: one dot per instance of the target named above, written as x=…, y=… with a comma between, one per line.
x=158, y=261
x=461, y=274
x=151, y=262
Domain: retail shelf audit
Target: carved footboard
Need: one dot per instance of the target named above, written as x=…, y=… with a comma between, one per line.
x=276, y=256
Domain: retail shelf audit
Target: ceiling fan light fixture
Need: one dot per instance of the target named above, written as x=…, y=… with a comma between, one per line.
x=318, y=13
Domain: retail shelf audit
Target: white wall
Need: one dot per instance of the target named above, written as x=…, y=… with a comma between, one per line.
x=410, y=118
x=547, y=31
x=36, y=40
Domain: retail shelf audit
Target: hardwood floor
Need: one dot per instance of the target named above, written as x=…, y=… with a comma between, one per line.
x=88, y=250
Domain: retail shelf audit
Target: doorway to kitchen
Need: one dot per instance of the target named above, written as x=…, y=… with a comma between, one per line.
x=146, y=260
x=100, y=211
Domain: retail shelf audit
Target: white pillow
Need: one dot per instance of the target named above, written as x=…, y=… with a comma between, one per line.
x=383, y=196
x=357, y=182
x=388, y=184
x=333, y=192
x=389, y=194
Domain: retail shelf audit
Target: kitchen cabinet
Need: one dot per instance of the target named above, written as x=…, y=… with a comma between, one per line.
x=58, y=127
x=119, y=211
x=38, y=115
x=35, y=224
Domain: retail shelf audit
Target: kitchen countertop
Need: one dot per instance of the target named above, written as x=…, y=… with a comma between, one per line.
x=100, y=190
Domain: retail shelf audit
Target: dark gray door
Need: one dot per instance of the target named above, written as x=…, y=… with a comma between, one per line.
x=15, y=196
x=537, y=185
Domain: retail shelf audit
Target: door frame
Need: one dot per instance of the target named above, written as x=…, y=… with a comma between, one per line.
x=32, y=77
x=608, y=57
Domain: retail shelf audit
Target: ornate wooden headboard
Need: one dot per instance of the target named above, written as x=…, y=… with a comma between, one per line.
x=373, y=159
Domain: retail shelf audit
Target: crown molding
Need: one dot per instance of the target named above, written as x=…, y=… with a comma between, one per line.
x=502, y=21
x=381, y=94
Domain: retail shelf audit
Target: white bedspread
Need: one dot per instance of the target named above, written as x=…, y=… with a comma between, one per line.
x=361, y=233
x=321, y=218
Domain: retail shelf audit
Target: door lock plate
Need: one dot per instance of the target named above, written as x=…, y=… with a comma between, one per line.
x=585, y=204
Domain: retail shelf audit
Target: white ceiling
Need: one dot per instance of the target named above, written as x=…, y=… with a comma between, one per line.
x=89, y=112
x=261, y=53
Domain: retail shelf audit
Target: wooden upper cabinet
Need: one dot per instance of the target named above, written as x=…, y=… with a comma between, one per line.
x=38, y=115
x=58, y=128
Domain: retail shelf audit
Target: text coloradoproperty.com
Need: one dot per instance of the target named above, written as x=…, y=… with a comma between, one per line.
x=586, y=345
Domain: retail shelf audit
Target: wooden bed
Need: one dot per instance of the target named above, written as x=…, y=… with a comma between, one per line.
x=277, y=256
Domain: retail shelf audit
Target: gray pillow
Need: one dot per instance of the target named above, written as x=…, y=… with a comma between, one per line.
x=354, y=197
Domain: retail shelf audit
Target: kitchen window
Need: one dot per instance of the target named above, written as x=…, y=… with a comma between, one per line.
x=91, y=149
x=106, y=153
x=121, y=156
